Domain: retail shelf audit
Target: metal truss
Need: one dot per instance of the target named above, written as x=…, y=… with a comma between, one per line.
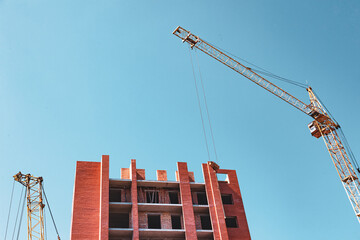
x=34, y=203
x=322, y=126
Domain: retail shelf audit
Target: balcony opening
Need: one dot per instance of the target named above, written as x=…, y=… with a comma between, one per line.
x=227, y=199
x=152, y=196
x=201, y=198
x=176, y=221
x=115, y=195
x=119, y=220
x=174, y=197
x=231, y=222
x=154, y=221
x=205, y=222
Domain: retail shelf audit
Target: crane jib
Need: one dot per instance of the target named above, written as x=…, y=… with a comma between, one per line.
x=205, y=47
x=323, y=125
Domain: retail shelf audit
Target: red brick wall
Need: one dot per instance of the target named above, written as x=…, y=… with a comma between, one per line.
x=162, y=193
x=125, y=173
x=191, y=177
x=237, y=209
x=91, y=202
x=104, y=199
x=161, y=175
x=197, y=221
x=194, y=198
x=163, y=196
x=134, y=200
x=166, y=221
x=142, y=220
x=187, y=205
x=165, y=218
x=126, y=195
x=86, y=202
x=140, y=174
x=215, y=203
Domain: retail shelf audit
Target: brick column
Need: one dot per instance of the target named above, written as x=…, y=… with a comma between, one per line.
x=86, y=201
x=134, y=200
x=104, y=199
x=215, y=203
x=187, y=206
x=161, y=175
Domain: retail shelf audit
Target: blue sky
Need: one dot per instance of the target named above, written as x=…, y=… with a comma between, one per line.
x=79, y=79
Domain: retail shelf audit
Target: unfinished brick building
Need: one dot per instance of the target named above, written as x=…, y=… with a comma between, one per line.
x=132, y=207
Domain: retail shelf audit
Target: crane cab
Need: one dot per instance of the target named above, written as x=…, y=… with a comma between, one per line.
x=314, y=129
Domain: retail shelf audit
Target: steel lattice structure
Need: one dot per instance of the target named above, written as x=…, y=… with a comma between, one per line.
x=34, y=203
x=322, y=126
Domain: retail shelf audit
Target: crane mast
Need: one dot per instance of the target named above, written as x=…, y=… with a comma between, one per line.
x=34, y=203
x=322, y=125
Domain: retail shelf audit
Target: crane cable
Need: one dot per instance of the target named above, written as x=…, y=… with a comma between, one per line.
x=17, y=214
x=298, y=84
x=206, y=107
x=45, y=227
x=198, y=98
x=342, y=135
x=264, y=71
x=8, y=218
x=302, y=85
x=21, y=216
x=351, y=154
x=57, y=232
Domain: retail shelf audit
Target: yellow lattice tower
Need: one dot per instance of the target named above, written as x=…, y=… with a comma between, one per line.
x=34, y=203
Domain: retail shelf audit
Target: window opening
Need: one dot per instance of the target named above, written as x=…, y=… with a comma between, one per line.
x=119, y=220
x=205, y=222
x=154, y=221
x=227, y=199
x=222, y=177
x=152, y=196
x=174, y=197
x=115, y=195
x=176, y=222
x=231, y=222
x=201, y=197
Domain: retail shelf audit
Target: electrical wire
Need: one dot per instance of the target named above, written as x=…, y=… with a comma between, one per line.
x=198, y=98
x=8, y=218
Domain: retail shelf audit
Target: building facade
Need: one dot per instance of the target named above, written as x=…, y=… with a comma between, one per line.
x=131, y=207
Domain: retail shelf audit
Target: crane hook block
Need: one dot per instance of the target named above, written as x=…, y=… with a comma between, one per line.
x=213, y=165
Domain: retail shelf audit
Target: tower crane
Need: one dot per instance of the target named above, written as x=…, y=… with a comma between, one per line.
x=35, y=205
x=323, y=124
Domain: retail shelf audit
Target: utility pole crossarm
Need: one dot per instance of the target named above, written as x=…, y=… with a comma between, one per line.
x=210, y=50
